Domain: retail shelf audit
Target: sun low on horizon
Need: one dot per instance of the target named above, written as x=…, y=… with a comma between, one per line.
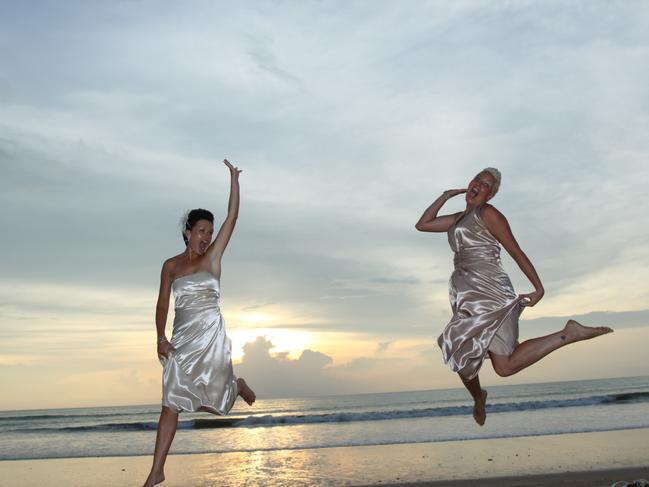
x=348, y=120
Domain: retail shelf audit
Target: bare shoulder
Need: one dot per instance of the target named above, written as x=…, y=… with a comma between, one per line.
x=169, y=265
x=491, y=214
x=495, y=220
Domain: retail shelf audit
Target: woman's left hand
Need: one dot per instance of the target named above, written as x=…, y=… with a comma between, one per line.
x=530, y=299
x=234, y=171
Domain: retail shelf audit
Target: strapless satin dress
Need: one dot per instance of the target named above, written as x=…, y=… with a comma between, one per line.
x=198, y=375
x=485, y=307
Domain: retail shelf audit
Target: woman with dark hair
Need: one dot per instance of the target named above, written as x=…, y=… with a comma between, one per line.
x=197, y=361
x=485, y=307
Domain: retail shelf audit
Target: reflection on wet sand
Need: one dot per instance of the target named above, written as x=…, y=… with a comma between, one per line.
x=360, y=465
x=552, y=454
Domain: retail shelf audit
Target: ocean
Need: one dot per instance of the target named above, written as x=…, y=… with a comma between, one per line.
x=330, y=421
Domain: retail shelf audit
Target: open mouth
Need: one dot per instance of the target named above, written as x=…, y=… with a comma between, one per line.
x=202, y=247
x=473, y=192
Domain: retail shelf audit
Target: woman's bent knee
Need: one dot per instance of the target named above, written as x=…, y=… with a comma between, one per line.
x=504, y=372
x=502, y=369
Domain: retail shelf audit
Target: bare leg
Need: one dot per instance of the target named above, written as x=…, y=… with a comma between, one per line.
x=479, y=396
x=166, y=432
x=245, y=391
x=531, y=351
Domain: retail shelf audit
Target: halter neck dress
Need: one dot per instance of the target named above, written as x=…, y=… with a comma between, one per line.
x=198, y=373
x=485, y=307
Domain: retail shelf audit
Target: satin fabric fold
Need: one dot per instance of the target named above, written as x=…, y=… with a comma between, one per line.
x=198, y=373
x=485, y=307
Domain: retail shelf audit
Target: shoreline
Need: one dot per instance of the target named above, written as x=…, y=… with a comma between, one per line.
x=576, y=459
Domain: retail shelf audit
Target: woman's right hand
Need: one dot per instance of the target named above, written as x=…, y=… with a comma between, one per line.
x=430, y=222
x=234, y=171
x=449, y=193
x=164, y=347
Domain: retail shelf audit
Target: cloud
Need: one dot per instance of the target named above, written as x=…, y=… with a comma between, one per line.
x=315, y=374
x=383, y=346
x=422, y=367
x=19, y=360
x=277, y=375
x=266, y=61
x=348, y=120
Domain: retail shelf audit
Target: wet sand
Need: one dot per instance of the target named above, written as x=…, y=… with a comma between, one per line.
x=604, y=478
x=583, y=459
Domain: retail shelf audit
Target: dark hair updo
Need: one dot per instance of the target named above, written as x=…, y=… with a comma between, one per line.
x=193, y=217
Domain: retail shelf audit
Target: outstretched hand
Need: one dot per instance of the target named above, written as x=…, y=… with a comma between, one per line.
x=449, y=193
x=234, y=171
x=530, y=299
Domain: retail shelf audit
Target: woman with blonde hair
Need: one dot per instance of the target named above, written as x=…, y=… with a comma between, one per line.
x=485, y=307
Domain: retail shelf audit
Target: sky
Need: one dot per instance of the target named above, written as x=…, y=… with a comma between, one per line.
x=348, y=118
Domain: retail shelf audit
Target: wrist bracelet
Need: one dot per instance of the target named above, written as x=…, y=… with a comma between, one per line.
x=162, y=339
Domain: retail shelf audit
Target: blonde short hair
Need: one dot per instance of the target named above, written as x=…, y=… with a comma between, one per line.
x=497, y=177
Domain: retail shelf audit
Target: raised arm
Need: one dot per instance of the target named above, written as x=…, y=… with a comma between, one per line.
x=430, y=222
x=499, y=227
x=216, y=249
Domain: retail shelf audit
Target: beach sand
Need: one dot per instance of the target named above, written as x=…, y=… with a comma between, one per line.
x=583, y=459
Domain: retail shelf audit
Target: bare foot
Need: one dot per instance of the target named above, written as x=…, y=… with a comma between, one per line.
x=154, y=479
x=576, y=332
x=246, y=392
x=480, y=409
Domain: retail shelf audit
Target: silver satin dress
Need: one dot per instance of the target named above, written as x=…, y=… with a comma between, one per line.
x=485, y=307
x=198, y=375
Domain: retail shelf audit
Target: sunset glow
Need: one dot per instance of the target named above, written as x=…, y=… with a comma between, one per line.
x=348, y=121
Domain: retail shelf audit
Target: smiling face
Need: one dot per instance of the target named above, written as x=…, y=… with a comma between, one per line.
x=200, y=236
x=480, y=188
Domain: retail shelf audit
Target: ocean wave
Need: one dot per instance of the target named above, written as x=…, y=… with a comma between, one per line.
x=340, y=417
x=350, y=416
x=46, y=417
x=135, y=426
